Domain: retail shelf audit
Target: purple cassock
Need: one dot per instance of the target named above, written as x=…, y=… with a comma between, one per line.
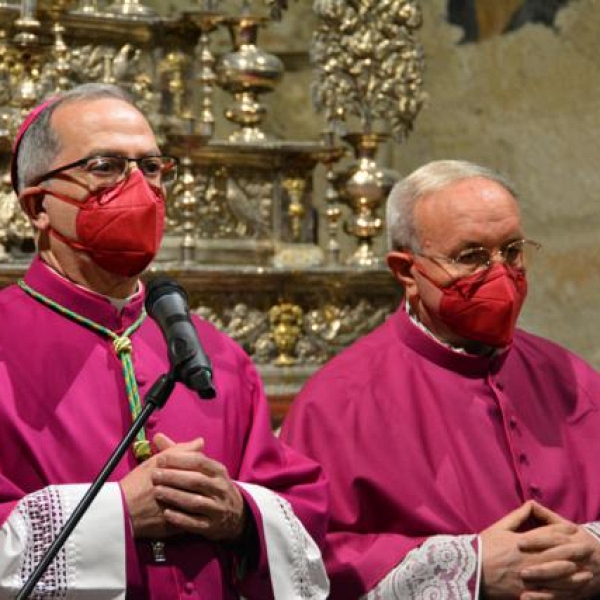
x=425, y=447
x=64, y=408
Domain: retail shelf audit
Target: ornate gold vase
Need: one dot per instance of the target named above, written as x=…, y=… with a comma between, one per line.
x=364, y=186
x=247, y=72
x=286, y=326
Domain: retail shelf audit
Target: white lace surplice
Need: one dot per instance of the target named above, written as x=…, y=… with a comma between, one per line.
x=91, y=564
x=441, y=569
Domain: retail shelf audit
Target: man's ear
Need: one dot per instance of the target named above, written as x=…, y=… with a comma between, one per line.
x=32, y=202
x=400, y=263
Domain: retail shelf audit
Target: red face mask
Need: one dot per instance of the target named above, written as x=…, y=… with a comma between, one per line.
x=119, y=227
x=484, y=307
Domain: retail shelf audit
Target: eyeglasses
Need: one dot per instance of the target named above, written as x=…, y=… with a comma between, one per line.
x=105, y=171
x=518, y=254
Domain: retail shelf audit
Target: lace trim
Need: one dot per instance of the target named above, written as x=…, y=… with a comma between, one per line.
x=440, y=569
x=302, y=578
x=43, y=513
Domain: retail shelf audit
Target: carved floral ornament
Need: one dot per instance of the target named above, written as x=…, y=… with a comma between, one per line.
x=368, y=62
x=285, y=335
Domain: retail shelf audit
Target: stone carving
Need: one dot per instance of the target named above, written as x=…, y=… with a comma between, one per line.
x=285, y=335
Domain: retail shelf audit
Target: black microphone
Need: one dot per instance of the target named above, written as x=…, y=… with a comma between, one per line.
x=167, y=303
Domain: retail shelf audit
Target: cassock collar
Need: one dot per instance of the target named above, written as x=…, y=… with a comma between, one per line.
x=426, y=346
x=93, y=306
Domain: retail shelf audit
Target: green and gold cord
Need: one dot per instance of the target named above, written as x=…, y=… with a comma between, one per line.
x=123, y=349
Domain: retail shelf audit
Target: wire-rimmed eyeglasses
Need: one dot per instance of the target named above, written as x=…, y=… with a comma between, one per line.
x=105, y=171
x=517, y=254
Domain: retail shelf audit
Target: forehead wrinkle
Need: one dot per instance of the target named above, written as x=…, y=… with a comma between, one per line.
x=109, y=152
x=102, y=126
x=469, y=213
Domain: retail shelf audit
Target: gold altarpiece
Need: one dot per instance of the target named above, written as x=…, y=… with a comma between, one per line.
x=261, y=256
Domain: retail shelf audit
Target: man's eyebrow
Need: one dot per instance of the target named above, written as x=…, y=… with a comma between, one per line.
x=470, y=243
x=112, y=152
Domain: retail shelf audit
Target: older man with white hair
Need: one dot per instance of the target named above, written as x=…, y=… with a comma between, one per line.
x=462, y=452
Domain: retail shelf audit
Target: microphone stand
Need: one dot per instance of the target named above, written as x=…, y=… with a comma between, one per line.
x=156, y=397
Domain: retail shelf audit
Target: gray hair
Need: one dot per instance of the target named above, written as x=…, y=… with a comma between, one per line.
x=40, y=143
x=401, y=230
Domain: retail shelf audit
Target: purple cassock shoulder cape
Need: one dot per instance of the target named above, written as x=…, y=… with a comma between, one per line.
x=418, y=440
x=64, y=408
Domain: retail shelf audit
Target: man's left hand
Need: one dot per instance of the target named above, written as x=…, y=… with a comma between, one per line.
x=557, y=540
x=197, y=494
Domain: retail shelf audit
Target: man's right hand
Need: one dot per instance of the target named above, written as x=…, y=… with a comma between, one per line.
x=145, y=511
x=503, y=560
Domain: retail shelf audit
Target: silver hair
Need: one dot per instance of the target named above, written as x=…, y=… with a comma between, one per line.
x=402, y=233
x=40, y=143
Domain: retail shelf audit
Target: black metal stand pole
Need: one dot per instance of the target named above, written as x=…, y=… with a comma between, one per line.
x=156, y=398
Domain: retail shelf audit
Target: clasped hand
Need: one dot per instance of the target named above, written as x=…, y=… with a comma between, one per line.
x=181, y=490
x=558, y=560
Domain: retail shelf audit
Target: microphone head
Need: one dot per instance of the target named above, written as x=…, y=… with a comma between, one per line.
x=159, y=287
x=167, y=304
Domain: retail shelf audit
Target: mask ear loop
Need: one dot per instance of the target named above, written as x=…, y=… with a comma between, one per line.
x=68, y=241
x=422, y=272
x=68, y=199
x=466, y=285
x=81, y=205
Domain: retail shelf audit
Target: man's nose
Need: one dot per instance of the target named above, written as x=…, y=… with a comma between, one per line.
x=497, y=256
x=131, y=166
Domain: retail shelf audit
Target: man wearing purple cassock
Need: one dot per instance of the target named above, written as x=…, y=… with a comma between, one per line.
x=207, y=503
x=463, y=454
